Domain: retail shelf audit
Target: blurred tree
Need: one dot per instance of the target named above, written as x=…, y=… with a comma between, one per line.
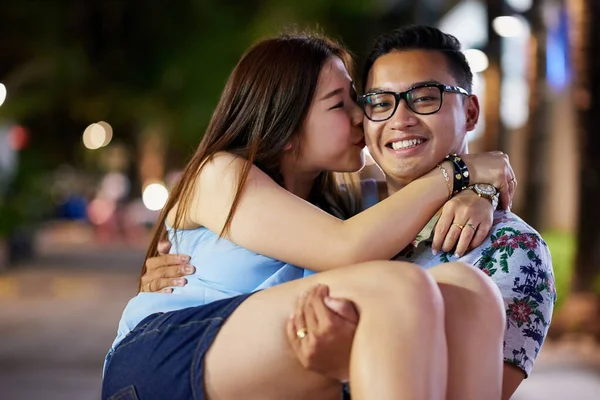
x=140, y=65
x=581, y=311
x=538, y=130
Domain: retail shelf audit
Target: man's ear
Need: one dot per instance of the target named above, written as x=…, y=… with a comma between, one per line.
x=472, y=109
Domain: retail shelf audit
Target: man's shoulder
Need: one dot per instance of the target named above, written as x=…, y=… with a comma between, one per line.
x=506, y=220
x=508, y=229
x=511, y=245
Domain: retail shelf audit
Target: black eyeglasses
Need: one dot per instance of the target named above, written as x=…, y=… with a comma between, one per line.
x=423, y=99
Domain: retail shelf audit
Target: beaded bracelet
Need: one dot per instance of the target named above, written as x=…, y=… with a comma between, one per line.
x=447, y=178
x=461, y=172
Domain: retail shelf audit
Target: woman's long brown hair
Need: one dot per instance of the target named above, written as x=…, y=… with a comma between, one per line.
x=262, y=108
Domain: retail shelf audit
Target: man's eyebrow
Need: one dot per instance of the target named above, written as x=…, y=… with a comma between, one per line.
x=378, y=90
x=429, y=82
x=332, y=93
x=414, y=84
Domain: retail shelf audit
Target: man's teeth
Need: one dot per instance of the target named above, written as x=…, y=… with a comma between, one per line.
x=406, y=144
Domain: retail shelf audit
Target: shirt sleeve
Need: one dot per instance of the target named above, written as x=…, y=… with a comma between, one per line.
x=519, y=262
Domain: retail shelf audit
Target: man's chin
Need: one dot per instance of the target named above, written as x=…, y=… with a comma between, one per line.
x=405, y=173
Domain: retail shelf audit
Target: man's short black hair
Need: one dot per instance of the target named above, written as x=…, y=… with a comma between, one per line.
x=421, y=37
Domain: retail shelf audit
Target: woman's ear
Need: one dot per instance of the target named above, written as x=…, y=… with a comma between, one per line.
x=292, y=144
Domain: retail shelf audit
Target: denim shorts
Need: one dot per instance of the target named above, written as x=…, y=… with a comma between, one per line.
x=162, y=357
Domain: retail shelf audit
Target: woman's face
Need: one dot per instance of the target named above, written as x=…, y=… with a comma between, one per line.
x=332, y=137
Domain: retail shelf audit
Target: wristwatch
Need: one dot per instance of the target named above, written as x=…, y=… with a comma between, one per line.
x=487, y=191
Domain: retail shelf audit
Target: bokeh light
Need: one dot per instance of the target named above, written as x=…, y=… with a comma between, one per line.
x=155, y=196
x=2, y=93
x=94, y=136
x=477, y=59
x=97, y=135
x=509, y=26
x=520, y=5
x=108, y=132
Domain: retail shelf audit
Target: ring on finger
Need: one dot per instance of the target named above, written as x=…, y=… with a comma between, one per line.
x=459, y=226
x=472, y=226
x=148, y=286
x=301, y=333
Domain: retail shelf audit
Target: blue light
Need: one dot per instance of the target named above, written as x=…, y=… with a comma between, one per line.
x=558, y=69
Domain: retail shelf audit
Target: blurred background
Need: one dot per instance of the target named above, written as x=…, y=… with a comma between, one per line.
x=102, y=103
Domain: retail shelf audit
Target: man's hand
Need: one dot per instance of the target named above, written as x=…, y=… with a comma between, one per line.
x=464, y=224
x=165, y=270
x=321, y=332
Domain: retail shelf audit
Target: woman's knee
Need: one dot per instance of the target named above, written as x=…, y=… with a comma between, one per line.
x=394, y=284
x=476, y=284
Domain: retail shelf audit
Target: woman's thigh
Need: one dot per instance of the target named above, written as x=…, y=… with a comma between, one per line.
x=251, y=358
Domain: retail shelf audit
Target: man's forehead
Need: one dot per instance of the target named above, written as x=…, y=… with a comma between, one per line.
x=401, y=70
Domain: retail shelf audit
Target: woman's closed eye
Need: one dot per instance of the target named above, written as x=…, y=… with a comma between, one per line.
x=338, y=105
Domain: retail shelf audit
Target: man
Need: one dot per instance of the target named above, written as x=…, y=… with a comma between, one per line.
x=514, y=255
x=419, y=108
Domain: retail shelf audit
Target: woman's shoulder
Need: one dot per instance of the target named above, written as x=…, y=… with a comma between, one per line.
x=223, y=167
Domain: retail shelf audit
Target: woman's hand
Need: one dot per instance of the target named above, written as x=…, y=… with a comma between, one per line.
x=321, y=332
x=493, y=168
x=465, y=223
x=165, y=270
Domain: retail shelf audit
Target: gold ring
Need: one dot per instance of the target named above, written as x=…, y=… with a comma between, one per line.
x=301, y=333
x=472, y=226
x=149, y=286
x=459, y=226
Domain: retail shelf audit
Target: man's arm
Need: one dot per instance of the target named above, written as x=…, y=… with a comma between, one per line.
x=512, y=378
x=518, y=261
x=165, y=270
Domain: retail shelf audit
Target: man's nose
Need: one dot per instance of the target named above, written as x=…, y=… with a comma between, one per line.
x=404, y=117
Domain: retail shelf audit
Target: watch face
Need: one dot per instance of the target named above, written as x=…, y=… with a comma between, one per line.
x=485, y=189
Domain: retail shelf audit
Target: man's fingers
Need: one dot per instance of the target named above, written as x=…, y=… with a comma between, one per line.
x=291, y=329
x=173, y=271
x=342, y=307
x=310, y=316
x=163, y=247
x=156, y=285
x=167, y=259
x=299, y=320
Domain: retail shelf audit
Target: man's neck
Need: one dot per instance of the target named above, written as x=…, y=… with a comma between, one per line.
x=394, y=184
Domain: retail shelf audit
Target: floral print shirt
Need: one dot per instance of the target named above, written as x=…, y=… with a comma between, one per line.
x=518, y=260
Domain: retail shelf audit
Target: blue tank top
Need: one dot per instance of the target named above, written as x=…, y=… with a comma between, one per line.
x=223, y=270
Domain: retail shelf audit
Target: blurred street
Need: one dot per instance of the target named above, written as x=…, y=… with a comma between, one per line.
x=59, y=316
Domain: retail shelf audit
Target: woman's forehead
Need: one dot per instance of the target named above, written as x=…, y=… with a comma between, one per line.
x=333, y=75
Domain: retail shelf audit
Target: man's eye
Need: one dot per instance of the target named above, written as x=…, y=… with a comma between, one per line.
x=424, y=99
x=381, y=104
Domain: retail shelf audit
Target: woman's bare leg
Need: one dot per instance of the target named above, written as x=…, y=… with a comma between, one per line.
x=475, y=319
x=399, y=351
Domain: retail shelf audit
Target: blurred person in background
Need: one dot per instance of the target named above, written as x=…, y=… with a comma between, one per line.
x=415, y=114
x=245, y=212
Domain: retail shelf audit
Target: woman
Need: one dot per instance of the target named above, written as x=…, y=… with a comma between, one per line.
x=287, y=118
